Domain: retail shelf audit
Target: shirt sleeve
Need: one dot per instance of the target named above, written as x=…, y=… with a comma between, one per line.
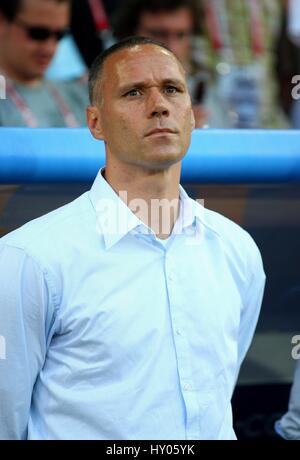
x=26, y=315
x=252, y=303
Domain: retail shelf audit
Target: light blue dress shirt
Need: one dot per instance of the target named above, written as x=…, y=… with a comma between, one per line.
x=109, y=334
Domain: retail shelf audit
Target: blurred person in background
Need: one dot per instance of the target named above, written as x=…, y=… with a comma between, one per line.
x=29, y=34
x=294, y=21
x=238, y=49
x=67, y=63
x=174, y=23
x=90, y=35
x=293, y=32
x=288, y=427
x=90, y=26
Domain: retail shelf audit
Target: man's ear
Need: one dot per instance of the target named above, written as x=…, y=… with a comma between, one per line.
x=94, y=122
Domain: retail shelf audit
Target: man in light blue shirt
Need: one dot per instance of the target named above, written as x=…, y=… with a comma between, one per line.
x=127, y=313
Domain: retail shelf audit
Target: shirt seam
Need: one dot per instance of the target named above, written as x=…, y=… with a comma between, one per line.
x=44, y=271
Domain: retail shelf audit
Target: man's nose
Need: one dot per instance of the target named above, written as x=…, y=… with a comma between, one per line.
x=157, y=105
x=50, y=45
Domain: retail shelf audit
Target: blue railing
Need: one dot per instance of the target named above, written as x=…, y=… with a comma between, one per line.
x=215, y=156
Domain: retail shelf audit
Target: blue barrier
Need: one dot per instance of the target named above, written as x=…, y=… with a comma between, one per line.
x=215, y=156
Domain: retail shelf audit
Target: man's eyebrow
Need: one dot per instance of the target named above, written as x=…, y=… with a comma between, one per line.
x=144, y=84
x=174, y=81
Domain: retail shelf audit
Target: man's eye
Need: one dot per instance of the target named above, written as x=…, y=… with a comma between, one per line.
x=133, y=92
x=171, y=90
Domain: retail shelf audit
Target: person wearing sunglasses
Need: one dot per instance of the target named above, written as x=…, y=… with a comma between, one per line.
x=41, y=34
x=30, y=31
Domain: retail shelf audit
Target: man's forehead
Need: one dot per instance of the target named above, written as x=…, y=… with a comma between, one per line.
x=42, y=10
x=168, y=17
x=30, y=5
x=141, y=60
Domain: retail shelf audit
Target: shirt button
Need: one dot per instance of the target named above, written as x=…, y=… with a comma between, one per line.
x=187, y=386
x=178, y=331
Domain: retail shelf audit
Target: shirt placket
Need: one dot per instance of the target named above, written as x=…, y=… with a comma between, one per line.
x=181, y=343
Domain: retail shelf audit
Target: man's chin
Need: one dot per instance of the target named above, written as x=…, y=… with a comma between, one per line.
x=41, y=68
x=163, y=162
x=37, y=73
x=167, y=156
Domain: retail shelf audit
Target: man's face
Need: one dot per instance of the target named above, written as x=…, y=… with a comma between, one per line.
x=23, y=57
x=173, y=28
x=145, y=114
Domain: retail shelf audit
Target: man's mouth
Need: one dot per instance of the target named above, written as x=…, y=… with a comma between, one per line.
x=43, y=60
x=160, y=132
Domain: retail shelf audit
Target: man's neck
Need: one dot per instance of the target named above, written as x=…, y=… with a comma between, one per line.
x=153, y=196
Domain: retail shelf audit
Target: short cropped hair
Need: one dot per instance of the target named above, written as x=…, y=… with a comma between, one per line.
x=11, y=8
x=98, y=64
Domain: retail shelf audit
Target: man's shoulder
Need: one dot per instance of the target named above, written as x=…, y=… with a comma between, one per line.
x=222, y=225
x=234, y=239
x=54, y=229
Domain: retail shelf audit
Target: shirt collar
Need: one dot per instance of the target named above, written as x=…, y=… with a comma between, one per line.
x=115, y=219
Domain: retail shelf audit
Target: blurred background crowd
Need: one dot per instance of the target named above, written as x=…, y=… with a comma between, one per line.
x=242, y=57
